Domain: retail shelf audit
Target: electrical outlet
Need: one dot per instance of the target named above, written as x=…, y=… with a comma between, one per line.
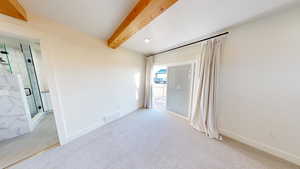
x=104, y=119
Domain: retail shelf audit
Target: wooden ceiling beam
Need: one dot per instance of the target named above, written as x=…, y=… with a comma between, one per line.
x=142, y=14
x=13, y=8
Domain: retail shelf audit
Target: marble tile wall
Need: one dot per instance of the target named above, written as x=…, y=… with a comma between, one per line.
x=13, y=116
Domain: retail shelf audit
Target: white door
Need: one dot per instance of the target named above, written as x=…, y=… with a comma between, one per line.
x=179, y=89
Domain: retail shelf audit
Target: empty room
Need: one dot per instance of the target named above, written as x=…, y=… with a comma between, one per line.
x=149, y=84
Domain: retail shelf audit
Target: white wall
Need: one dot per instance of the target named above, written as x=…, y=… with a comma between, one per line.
x=259, y=89
x=90, y=84
x=259, y=92
x=186, y=54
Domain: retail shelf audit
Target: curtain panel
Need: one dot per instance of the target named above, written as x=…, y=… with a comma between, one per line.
x=203, y=109
x=148, y=83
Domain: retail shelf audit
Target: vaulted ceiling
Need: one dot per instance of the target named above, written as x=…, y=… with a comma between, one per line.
x=184, y=21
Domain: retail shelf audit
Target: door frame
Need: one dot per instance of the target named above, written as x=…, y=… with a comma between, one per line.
x=27, y=56
x=192, y=63
x=59, y=112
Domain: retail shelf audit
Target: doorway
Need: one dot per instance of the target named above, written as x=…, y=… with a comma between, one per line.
x=172, y=88
x=179, y=89
x=159, y=87
x=27, y=123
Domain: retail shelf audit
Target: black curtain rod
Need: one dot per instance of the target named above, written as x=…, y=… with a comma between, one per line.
x=225, y=33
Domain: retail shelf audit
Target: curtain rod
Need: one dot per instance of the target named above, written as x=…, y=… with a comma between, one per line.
x=225, y=33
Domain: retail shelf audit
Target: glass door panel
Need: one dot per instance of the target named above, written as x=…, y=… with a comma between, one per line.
x=33, y=90
x=4, y=60
x=178, y=89
x=18, y=66
x=16, y=57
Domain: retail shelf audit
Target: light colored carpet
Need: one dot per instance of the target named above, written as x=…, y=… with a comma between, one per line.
x=18, y=148
x=148, y=139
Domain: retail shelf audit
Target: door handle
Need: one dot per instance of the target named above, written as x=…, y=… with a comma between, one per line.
x=29, y=91
x=4, y=52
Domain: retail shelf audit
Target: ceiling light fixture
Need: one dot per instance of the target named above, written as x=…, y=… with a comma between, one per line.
x=147, y=40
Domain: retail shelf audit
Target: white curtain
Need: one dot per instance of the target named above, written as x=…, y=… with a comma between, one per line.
x=203, y=112
x=148, y=83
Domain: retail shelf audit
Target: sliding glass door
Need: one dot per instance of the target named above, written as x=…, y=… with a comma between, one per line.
x=178, y=89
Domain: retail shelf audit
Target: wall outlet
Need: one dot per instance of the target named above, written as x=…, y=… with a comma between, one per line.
x=104, y=119
x=111, y=117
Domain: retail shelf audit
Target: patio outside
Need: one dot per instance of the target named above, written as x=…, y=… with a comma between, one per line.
x=159, y=88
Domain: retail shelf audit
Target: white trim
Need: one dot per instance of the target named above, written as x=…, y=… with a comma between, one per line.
x=55, y=98
x=84, y=131
x=96, y=125
x=177, y=115
x=37, y=119
x=263, y=147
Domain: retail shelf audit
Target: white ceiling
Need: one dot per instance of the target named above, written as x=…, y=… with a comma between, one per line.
x=185, y=21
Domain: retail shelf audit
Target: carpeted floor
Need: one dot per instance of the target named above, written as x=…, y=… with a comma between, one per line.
x=148, y=139
x=18, y=148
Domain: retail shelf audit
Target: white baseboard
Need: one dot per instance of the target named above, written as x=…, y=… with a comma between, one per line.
x=263, y=147
x=37, y=119
x=96, y=125
x=84, y=131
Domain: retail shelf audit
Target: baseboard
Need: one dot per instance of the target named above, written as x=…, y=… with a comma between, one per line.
x=263, y=147
x=96, y=125
x=37, y=119
x=177, y=115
